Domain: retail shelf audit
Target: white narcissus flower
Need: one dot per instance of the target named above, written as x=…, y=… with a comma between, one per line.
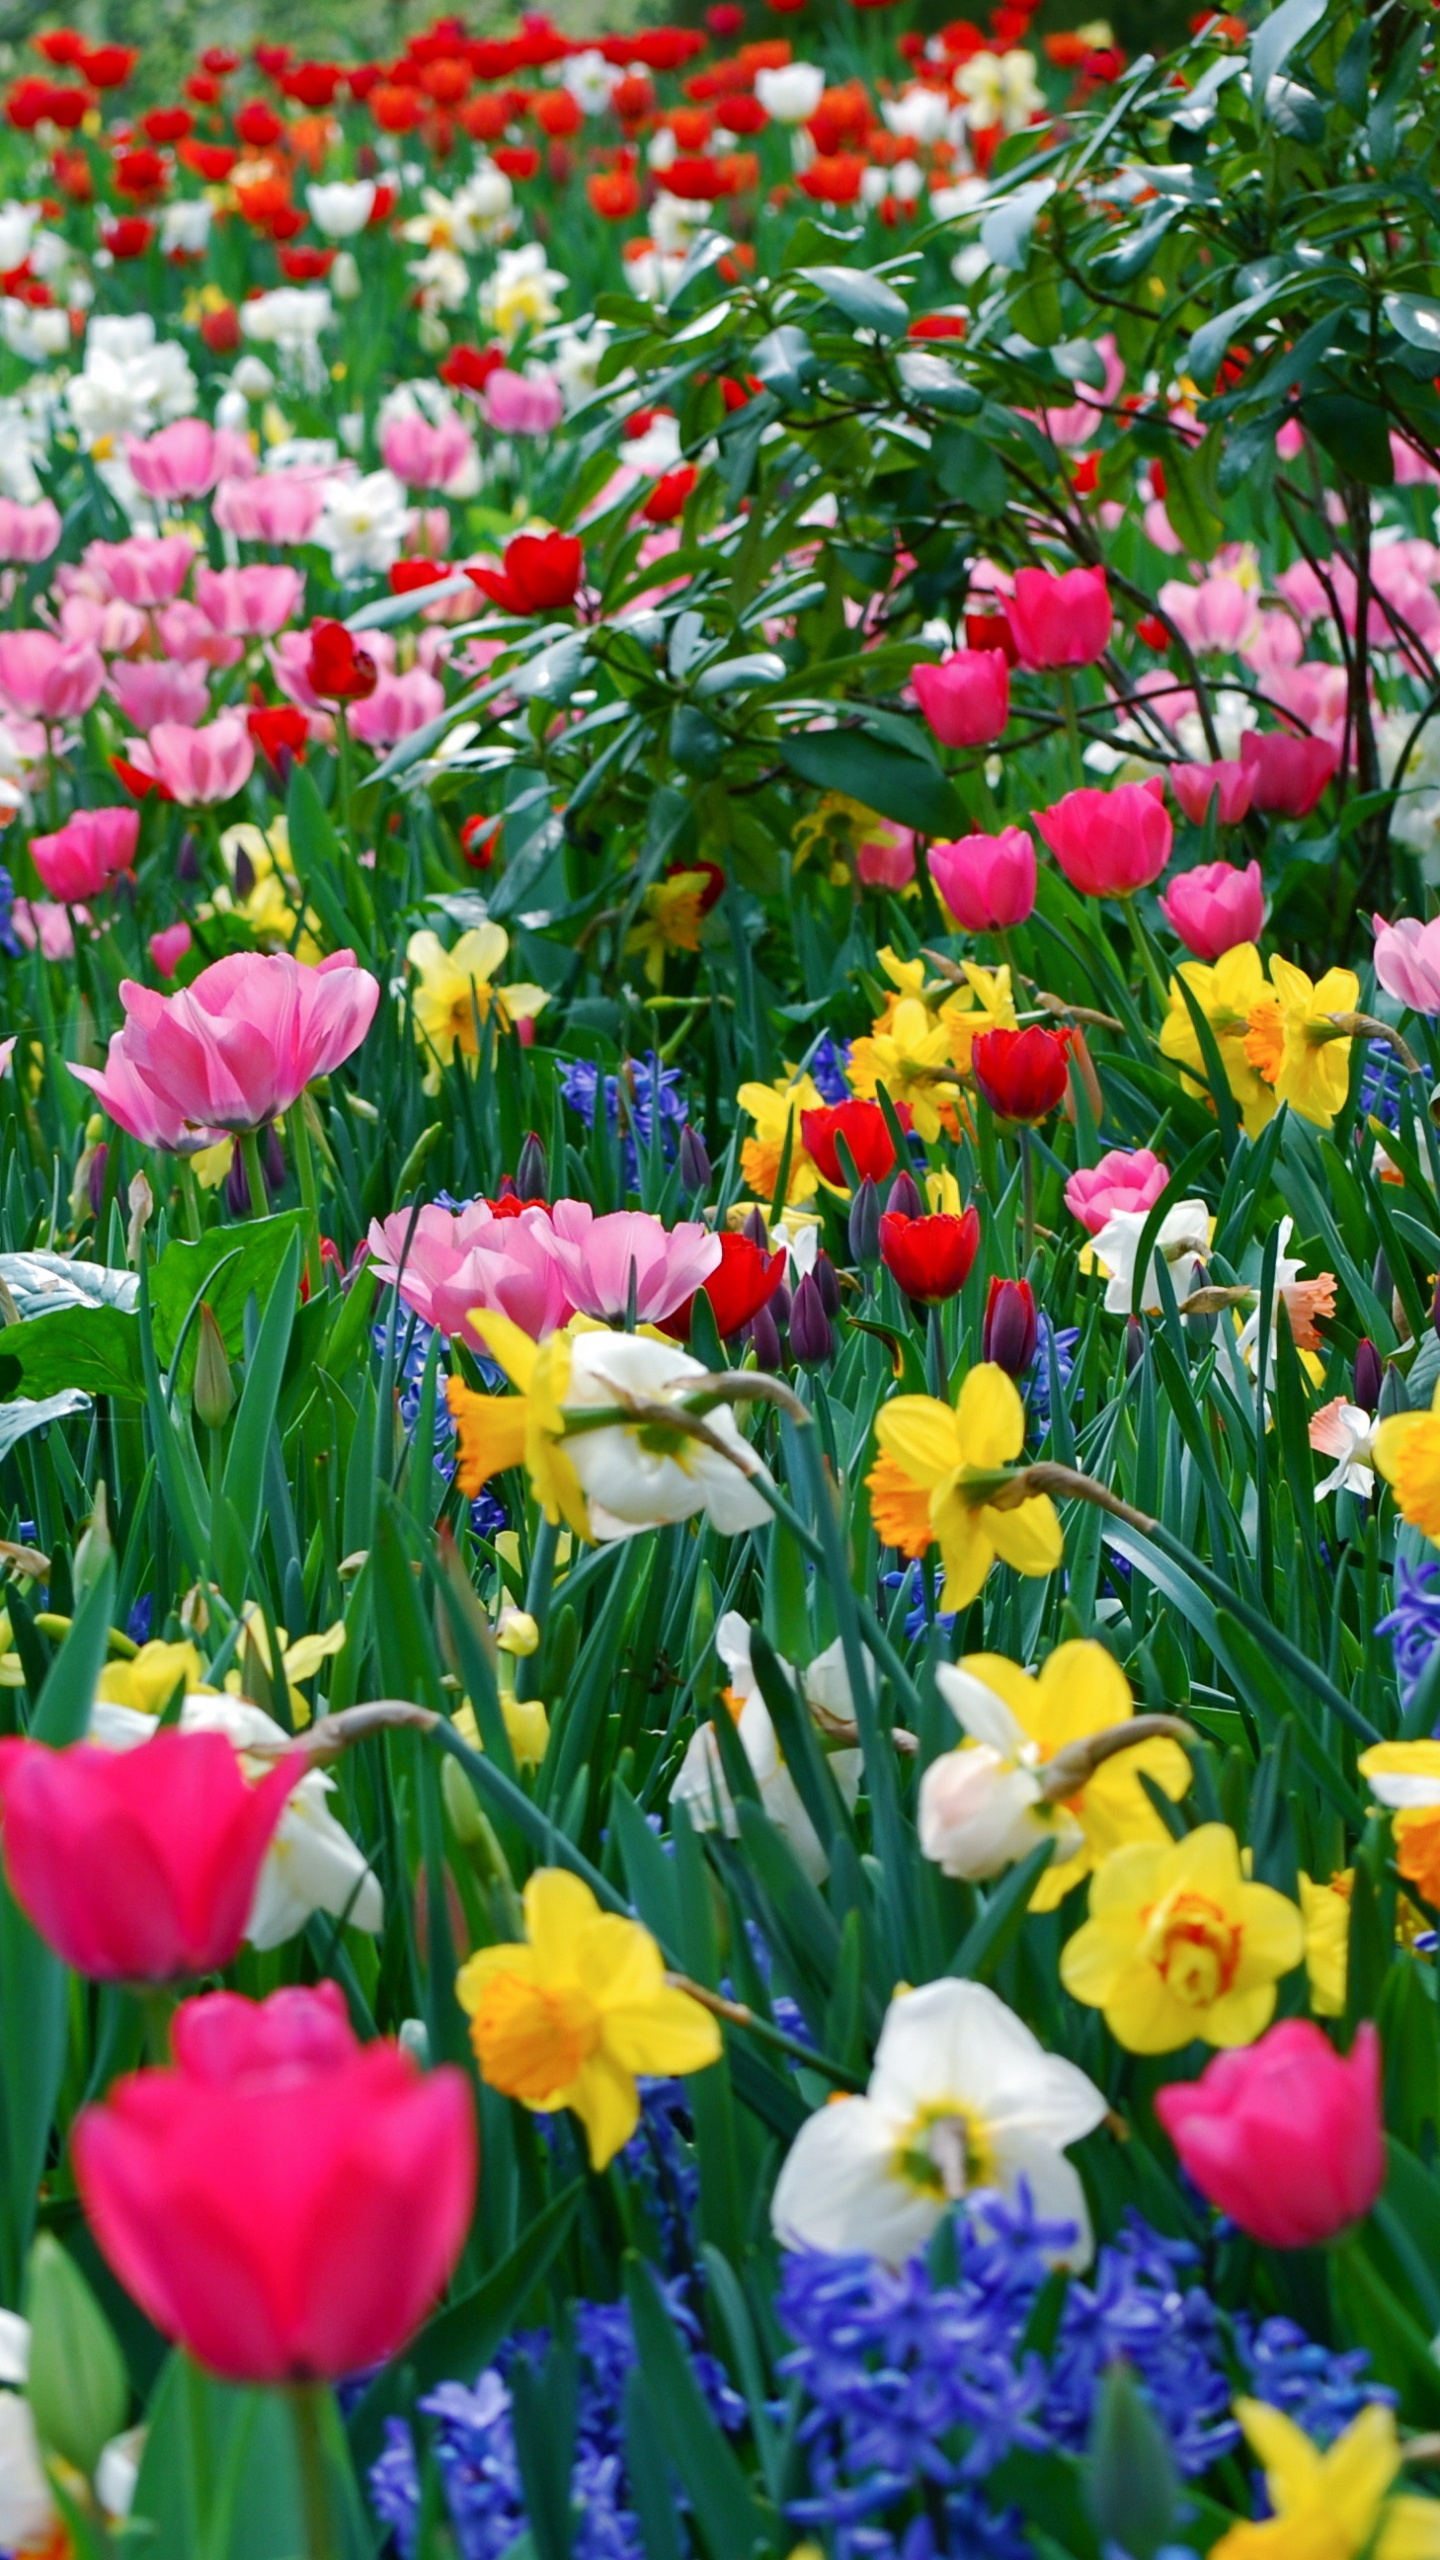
x=962, y=2101
x=1183, y=1241
x=983, y=1808
x=341, y=207
x=1346, y=1433
x=590, y=79
x=641, y=1475
x=521, y=292
x=27, y=2512
x=701, y=1786
x=131, y=381
x=792, y=93
x=364, y=523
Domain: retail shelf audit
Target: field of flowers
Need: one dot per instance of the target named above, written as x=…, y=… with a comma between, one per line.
x=719, y=1337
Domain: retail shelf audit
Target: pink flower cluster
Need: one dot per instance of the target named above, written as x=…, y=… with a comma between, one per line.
x=539, y=1265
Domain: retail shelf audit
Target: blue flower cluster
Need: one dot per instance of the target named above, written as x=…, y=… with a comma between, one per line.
x=1382, y=1082
x=653, y=1099
x=1050, y=1371
x=477, y=2459
x=9, y=940
x=413, y=1337
x=1413, y=1624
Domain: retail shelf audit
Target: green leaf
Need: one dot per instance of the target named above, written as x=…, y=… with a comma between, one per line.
x=1276, y=38
x=94, y=1349
x=244, y=1485
x=967, y=468
x=226, y=1268
x=1355, y=434
x=865, y=300
x=985, y=1942
x=1415, y=319
x=899, y=786
x=730, y=2520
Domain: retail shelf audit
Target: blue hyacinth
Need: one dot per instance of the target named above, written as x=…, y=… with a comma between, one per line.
x=653, y=1098
x=1413, y=1624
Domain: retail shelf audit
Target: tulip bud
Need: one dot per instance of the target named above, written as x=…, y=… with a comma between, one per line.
x=1134, y=1345
x=94, y=1548
x=695, y=1167
x=1369, y=1373
x=779, y=1304
x=244, y=873
x=756, y=1229
x=461, y=1803
x=213, y=1393
x=827, y=1284
x=1133, y=2487
x=1009, y=1334
x=864, y=1230
x=811, y=1340
x=272, y=1156
x=904, y=1199
x=532, y=1173
x=77, y=2387
x=765, y=1338
x=187, y=860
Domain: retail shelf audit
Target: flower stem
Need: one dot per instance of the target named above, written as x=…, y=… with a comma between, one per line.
x=254, y=1172
x=342, y=748
x=307, y=2404
x=1027, y=1197
x=297, y=1131
x=189, y=1197
x=1072, y=728
x=1145, y=949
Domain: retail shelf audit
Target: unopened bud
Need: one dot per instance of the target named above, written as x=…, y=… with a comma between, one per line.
x=903, y=1200
x=237, y=1187
x=695, y=1167
x=811, y=1340
x=187, y=860
x=77, y=2389
x=95, y=1178
x=94, y=1547
x=765, y=1336
x=517, y=1632
x=1134, y=1344
x=213, y=1394
x=532, y=1173
x=1010, y=1326
x=827, y=1284
x=756, y=1229
x=272, y=1156
x=1369, y=1373
x=244, y=873
x=864, y=1227
x=1134, y=2490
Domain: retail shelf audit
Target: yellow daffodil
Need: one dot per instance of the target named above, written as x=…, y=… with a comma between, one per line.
x=455, y=990
x=12, y=1669
x=912, y=1060
x=1406, y=1450
x=1292, y=1043
x=671, y=914
x=772, y=1107
x=526, y=1723
x=1017, y=1723
x=263, y=891
x=943, y=1196
x=1325, y=1910
x=149, y=1681
x=984, y=1003
x=572, y=2015
x=528, y=1429
x=1226, y=994
x=1405, y=1778
x=939, y=1477
x=1179, y=1945
x=1332, y=2505
x=298, y=1661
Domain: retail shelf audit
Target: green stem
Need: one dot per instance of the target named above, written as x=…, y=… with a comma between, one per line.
x=1027, y=1197
x=1145, y=948
x=158, y=2008
x=1072, y=729
x=189, y=1197
x=307, y=2405
x=342, y=749
x=254, y=1172
x=297, y=1131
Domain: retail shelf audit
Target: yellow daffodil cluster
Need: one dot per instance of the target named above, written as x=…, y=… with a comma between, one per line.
x=941, y=1479
x=1277, y=1037
x=262, y=890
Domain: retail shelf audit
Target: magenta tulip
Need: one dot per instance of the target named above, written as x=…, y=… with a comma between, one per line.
x=522, y=404
x=1110, y=843
x=144, y=569
x=250, y=604
x=1215, y=906
x=286, y=2203
x=84, y=855
x=1059, y=621
x=1122, y=1179
x=603, y=1261
x=450, y=1265
x=398, y=706
x=966, y=698
x=1287, y=774
x=169, y=946
x=1285, y=2136
x=28, y=534
x=152, y=690
x=279, y=507
x=987, y=882
x=1195, y=786
x=426, y=456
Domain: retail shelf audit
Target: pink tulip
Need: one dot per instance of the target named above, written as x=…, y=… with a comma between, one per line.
x=886, y=859
x=1290, y=441
x=84, y=855
x=1110, y=843
x=280, y=507
x=243, y=1040
x=143, y=569
x=1275, y=643
x=199, y=767
x=48, y=679
x=180, y=462
x=1059, y=621
x=101, y=622
x=1195, y=786
x=150, y=690
x=1285, y=2136
x=185, y=632
x=1316, y=694
x=522, y=404
x=453, y=1263
x=426, y=456
x=28, y=534
x=285, y=2202
x=1407, y=961
x=1121, y=1180
x=43, y=925
x=966, y=699
x=131, y=1103
x=1215, y=906
x=169, y=946
x=1287, y=774
x=398, y=707
x=1217, y=614
x=599, y=1258
x=987, y=882
x=250, y=603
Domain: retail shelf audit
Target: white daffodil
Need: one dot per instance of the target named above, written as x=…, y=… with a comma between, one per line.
x=791, y=93
x=27, y=2511
x=130, y=383
x=290, y=318
x=521, y=292
x=590, y=80
x=1346, y=1433
x=983, y=1807
x=1183, y=1242
x=364, y=523
x=999, y=88
x=701, y=1786
x=638, y=1475
x=341, y=207
x=962, y=2101
x=312, y=1864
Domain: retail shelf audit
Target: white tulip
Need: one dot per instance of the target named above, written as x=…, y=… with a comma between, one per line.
x=342, y=207
x=962, y=2101
x=27, y=2513
x=792, y=93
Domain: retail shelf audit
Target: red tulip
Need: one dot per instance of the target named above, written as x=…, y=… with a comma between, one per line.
x=541, y=574
x=670, y=495
x=930, y=1257
x=1022, y=1074
x=336, y=669
x=744, y=1280
x=1285, y=2136
x=866, y=1133
x=138, y=1866
x=278, y=729
x=286, y=2203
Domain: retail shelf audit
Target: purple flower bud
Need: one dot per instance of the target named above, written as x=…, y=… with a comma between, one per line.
x=756, y=1229
x=1134, y=1344
x=532, y=1173
x=694, y=1160
x=1010, y=1327
x=827, y=1284
x=765, y=1336
x=904, y=1199
x=864, y=1228
x=779, y=1304
x=96, y=1184
x=272, y=1156
x=1369, y=1373
x=187, y=860
x=811, y=1340
x=237, y=1187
